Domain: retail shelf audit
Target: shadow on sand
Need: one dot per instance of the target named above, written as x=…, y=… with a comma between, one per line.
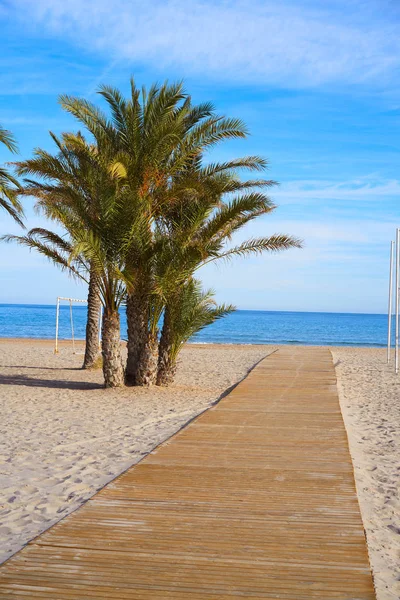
x=48, y=383
x=41, y=368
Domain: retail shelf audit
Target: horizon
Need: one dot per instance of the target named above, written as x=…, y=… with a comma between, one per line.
x=76, y=305
x=320, y=100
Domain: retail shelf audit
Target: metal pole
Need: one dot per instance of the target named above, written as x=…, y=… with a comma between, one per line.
x=390, y=301
x=57, y=315
x=396, y=349
x=72, y=326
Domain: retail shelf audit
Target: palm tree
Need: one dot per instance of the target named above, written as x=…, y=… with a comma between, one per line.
x=191, y=311
x=63, y=176
x=131, y=136
x=196, y=233
x=8, y=184
x=157, y=134
x=96, y=238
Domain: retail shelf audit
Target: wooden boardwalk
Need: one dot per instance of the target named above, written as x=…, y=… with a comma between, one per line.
x=254, y=499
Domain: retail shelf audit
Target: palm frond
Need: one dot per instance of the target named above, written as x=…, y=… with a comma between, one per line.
x=7, y=138
x=250, y=163
x=48, y=249
x=9, y=185
x=191, y=310
x=233, y=215
x=13, y=208
x=274, y=243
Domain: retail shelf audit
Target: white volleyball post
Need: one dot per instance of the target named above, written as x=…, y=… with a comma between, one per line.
x=72, y=326
x=390, y=303
x=396, y=347
x=71, y=301
x=57, y=319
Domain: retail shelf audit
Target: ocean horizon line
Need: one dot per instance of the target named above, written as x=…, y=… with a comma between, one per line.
x=262, y=310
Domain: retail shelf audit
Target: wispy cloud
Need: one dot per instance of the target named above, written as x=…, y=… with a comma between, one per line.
x=294, y=44
x=364, y=189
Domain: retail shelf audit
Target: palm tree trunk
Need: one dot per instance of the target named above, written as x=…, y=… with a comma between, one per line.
x=111, y=348
x=146, y=372
x=166, y=364
x=92, y=323
x=137, y=319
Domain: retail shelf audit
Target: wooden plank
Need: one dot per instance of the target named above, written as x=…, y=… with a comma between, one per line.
x=254, y=499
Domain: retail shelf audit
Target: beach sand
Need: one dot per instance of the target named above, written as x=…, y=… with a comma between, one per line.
x=63, y=437
x=369, y=393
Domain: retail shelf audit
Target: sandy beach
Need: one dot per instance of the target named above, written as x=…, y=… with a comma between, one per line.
x=63, y=436
x=369, y=393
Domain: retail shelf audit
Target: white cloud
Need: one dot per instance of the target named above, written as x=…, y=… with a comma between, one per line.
x=329, y=235
x=261, y=41
x=365, y=188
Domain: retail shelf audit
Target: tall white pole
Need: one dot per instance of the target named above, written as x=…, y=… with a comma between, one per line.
x=396, y=349
x=72, y=326
x=57, y=315
x=390, y=308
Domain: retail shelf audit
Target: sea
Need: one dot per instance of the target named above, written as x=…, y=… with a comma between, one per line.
x=241, y=327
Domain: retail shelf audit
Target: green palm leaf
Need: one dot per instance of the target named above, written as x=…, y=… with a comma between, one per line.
x=9, y=186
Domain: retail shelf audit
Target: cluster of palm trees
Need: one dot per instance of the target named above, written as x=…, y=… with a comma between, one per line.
x=138, y=211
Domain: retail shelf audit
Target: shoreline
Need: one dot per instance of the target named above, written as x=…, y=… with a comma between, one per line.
x=66, y=341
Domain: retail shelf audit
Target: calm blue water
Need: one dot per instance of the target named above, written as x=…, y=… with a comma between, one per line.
x=242, y=327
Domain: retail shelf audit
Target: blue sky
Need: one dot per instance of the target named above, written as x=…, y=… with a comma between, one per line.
x=316, y=82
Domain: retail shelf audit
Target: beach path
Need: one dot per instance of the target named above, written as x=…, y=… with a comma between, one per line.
x=255, y=498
